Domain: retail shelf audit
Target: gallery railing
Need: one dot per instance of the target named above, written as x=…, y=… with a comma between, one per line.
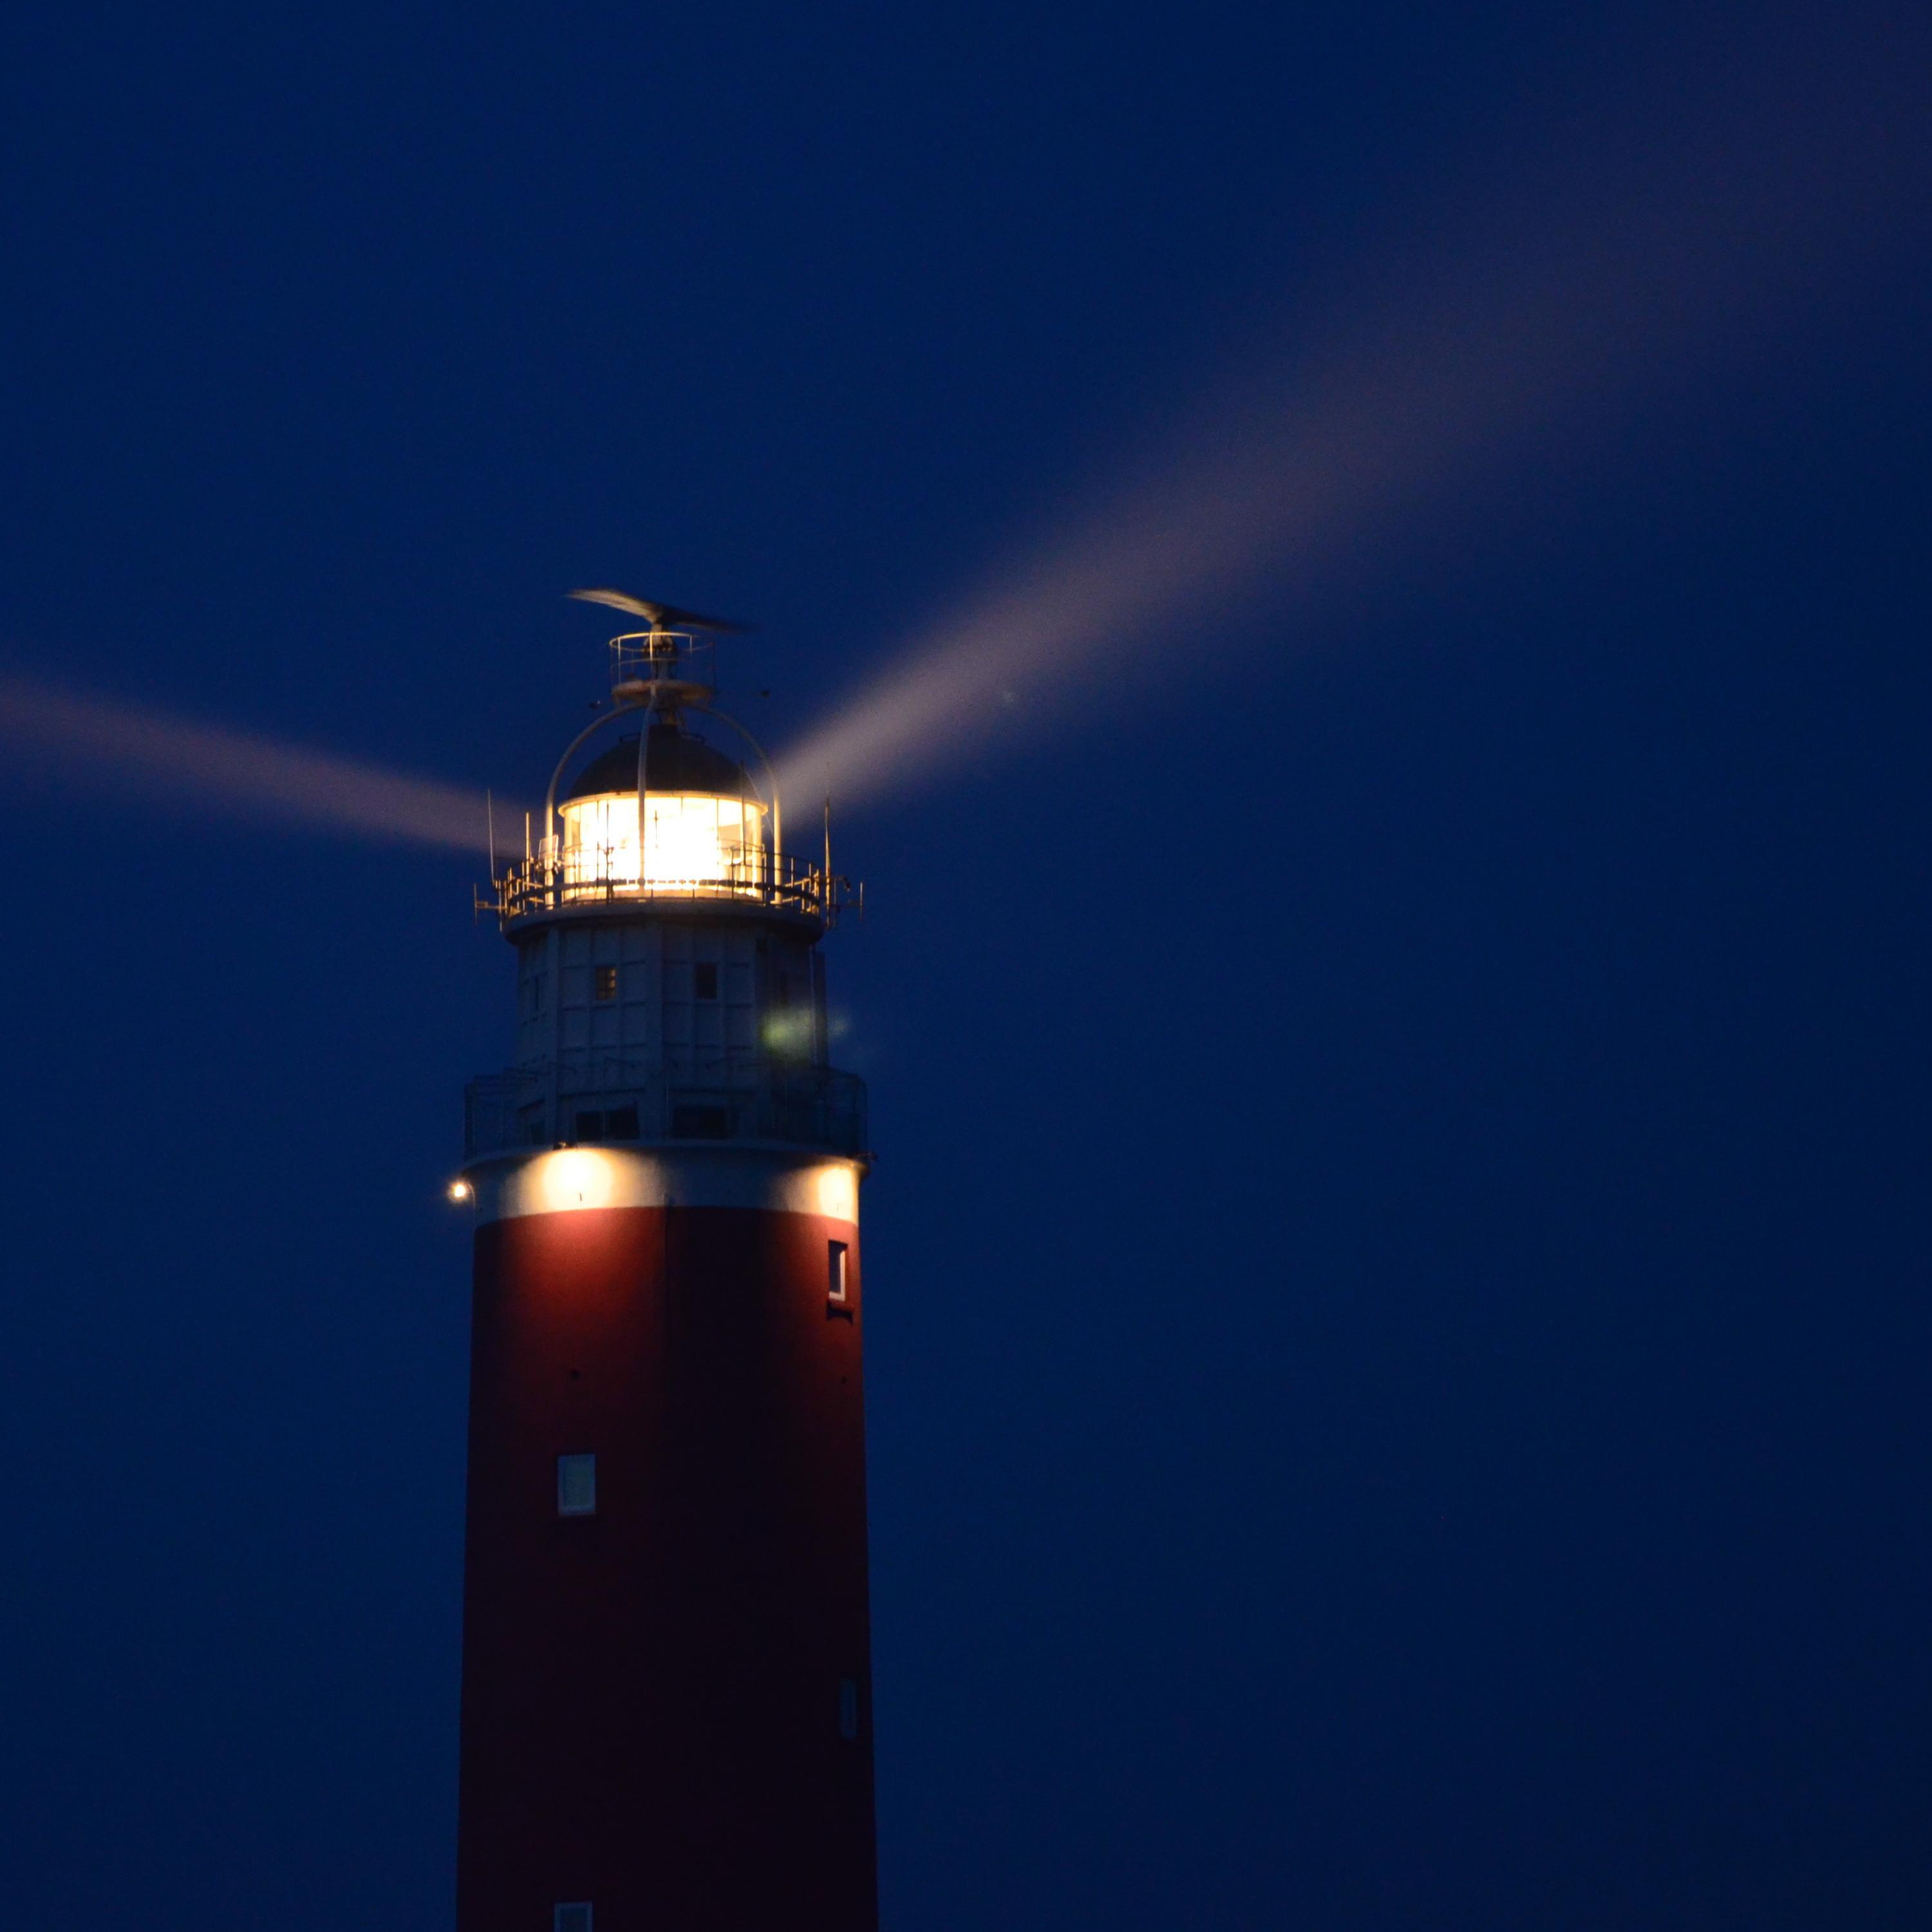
x=601, y=1098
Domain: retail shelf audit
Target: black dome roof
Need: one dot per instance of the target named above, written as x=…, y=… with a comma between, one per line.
x=674, y=761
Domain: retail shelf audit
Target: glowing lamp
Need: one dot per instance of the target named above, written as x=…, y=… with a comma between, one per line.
x=460, y=1190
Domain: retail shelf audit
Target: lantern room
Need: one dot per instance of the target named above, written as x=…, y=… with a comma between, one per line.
x=659, y=814
x=703, y=830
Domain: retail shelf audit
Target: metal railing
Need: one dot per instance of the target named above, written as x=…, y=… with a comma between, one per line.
x=571, y=879
x=595, y=1097
x=649, y=658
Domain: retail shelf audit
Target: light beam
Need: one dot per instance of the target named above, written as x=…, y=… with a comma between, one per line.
x=111, y=747
x=1671, y=234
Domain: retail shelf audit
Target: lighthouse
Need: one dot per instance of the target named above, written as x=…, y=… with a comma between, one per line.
x=667, y=1711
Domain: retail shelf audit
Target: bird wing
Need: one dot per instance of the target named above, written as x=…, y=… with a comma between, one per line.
x=619, y=600
x=663, y=616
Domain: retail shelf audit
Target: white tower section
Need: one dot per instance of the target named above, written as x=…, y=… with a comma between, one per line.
x=669, y=984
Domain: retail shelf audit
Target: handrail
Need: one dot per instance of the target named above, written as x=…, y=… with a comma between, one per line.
x=662, y=657
x=620, y=1099
x=583, y=877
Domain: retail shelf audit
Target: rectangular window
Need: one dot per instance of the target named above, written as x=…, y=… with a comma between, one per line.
x=704, y=980
x=590, y=1124
x=835, y=1270
x=577, y=1489
x=848, y=1709
x=571, y=1918
x=604, y=982
x=620, y=1123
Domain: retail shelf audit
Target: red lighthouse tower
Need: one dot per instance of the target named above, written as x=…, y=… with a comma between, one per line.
x=667, y=1706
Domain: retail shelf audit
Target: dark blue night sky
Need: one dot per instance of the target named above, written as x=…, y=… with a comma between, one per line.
x=1398, y=1368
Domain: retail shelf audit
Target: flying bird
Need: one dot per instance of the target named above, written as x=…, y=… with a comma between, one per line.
x=659, y=616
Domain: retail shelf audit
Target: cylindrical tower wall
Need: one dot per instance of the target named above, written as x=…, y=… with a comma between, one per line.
x=667, y=1707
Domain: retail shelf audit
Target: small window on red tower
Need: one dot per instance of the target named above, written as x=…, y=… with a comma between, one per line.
x=604, y=980
x=577, y=1488
x=835, y=1270
x=848, y=1709
x=571, y=1918
x=704, y=980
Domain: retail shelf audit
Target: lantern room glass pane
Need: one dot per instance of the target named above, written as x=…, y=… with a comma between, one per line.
x=691, y=840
